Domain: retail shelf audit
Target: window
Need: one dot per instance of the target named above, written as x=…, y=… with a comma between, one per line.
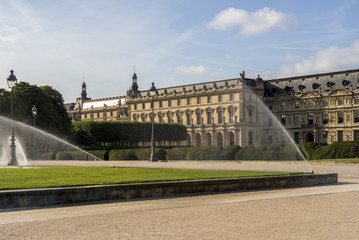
x=104, y=115
x=310, y=118
x=356, y=116
x=198, y=100
x=143, y=105
x=209, y=117
x=111, y=114
x=160, y=104
x=160, y=118
x=231, y=97
x=220, y=116
x=135, y=106
x=270, y=122
x=250, y=116
x=169, y=103
x=325, y=103
x=356, y=135
x=91, y=115
x=325, y=117
x=178, y=102
x=198, y=118
x=296, y=137
x=325, y=136
x=231, y=116
x=340, y=116
x=98, y=115
x=270, y=139
x=179, y=120
x=296, y=105
x=340, y=101
x=220, y=98
x=250, y=138
x=170, y=120
x=188, y=101
x=209, y=100
x=282, y=106
x=143, y=118
x=340, y=136
x=282, y=139
x=85, y=115
x=188, y=116
x=310, y=104
x=270, y=107
x=282, y=119
x=250, y=97
x=356, y=100
x=296, y=119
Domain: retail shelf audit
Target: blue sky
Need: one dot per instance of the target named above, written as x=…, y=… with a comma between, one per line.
x=61, y=43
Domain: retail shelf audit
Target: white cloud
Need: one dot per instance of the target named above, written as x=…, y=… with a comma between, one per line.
x=290, y=58
x=199, y=70
x=329, y=59
x=257, y=22
x=5, y=39
x=228, y=56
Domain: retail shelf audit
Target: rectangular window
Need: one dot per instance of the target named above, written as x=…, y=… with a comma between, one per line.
x=169, y=103
x=356, y=135
x=231, y=97
x=325, y=136
x=160, y=104
x=188, y=101
x=135, y=106
x=250, y=116
x=282, y=106
x=98, y=115
x=282, y=119
x=209, y=100
x=219, y=98
x=296, y=119
x=296, y=105
x=104, y=115
x=209, y=117
x=270, y=122
x=170, y=120
x=231, y=116
x=270, y=139
x=325, y=117
x=85, y=115
x=356, y=116
x=143, y=105
x=340, y=116
x=310, y=118
x=189, y=122
x=340, y=101
x=296, y=137
x=325, y=103
x=340, y=136
x=310, y=104
x=143, y=118
x=199, y=120
x=179, y=120
x=220, y=116
x=160, y=118
x=198, y=100
x=91, y=115
x=178, y=102
x=356, y=100
x=111, y=114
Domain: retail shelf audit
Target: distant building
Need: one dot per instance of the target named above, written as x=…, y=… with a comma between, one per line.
x=313, y=108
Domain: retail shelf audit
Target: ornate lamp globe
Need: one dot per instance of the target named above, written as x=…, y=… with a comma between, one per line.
x=153, y=90
x=34, y=111
x=11, y=80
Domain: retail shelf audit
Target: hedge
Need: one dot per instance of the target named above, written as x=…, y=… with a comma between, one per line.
x=268, y=152
x=348, y=149
x=136, y=154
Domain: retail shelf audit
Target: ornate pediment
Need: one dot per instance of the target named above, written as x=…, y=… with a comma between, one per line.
x=282, y=97
x=312, y=94
x=340, y=92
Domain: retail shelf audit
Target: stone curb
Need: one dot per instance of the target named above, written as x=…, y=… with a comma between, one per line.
x=50, y=196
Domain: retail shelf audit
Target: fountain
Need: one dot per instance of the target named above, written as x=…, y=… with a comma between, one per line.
x=47, y=145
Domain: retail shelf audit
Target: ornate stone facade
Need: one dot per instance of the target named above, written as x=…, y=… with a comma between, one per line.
x=319, y=108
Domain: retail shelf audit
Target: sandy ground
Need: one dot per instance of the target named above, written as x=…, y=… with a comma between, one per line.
x=322, y=212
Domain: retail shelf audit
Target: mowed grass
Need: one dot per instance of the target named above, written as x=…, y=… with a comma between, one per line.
x=48, y=177
x=338, y=160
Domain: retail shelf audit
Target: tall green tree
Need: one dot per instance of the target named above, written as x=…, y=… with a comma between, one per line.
x=52, y=116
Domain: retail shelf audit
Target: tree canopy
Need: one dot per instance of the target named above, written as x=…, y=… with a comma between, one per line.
x=52, y=115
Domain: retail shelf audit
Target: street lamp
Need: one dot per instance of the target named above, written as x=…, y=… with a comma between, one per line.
x=153, y=93
x=34, y=114
x=11, y=82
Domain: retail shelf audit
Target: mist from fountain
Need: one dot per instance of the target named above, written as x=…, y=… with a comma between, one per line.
x=24, y=135
x=267, y=128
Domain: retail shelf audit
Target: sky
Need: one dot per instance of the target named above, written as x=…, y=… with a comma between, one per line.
x=102, y=42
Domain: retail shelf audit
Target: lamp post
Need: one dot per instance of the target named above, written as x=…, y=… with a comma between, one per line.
x=34, y=114
x=153, y=93
x=11, y=81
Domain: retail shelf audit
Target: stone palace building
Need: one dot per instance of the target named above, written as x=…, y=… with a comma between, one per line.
x=313, y=108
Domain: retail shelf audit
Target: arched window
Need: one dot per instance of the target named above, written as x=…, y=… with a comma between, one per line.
x=220, y=140
x=231, y=139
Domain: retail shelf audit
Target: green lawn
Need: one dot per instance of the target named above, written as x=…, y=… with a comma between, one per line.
x=46, y=177
x=344, y=160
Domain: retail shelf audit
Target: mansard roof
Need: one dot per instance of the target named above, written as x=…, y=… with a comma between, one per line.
x=321, y=83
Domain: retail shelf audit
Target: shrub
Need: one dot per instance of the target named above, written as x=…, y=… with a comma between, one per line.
x=64, y=156
x=101, y=154
x=229, y=152
x=127, y=154
x=46, y=156
x=205, y=153
x=178, y=153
